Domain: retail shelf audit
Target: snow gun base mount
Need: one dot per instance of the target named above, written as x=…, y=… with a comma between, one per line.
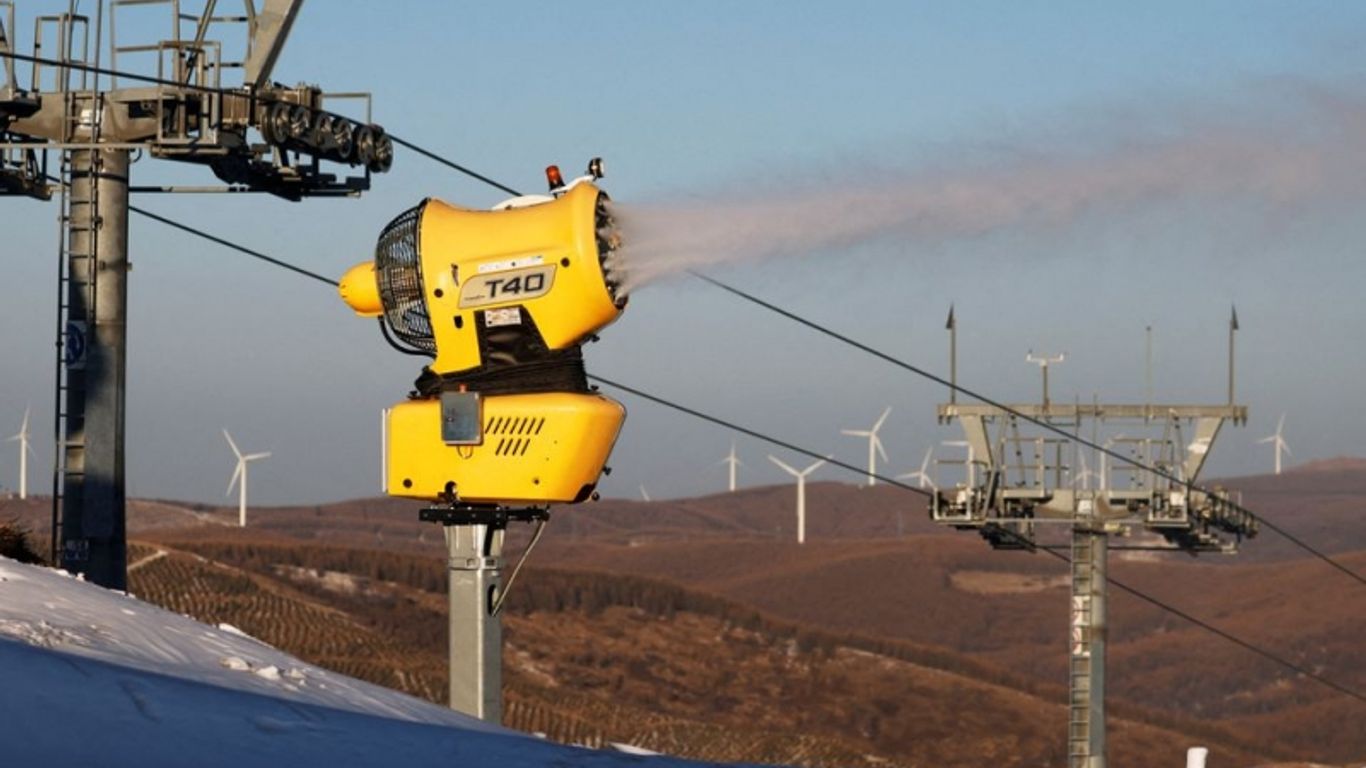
x=492, y=515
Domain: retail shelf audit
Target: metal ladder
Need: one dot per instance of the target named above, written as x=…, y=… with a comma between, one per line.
x=77, y=273
x=1084, y=649
x=1079, y=654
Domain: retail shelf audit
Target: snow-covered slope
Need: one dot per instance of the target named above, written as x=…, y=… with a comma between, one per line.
x=93, y=677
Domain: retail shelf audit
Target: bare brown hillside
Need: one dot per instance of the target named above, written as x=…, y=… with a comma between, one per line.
x=598, y=657
x=1011, y=609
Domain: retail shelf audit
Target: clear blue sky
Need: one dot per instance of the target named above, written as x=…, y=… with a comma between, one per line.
x=688, y=99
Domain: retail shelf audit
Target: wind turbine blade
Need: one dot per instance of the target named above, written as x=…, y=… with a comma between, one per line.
x=255, y=456
x=1286, y=447
x=785, y=467
x=1280, y=424
x=877, y=443
x=856, y=432
x=925, y=464
x=1267, y=439
x=236, y=474
x=23, y=430
x=881, y=419
x=812, y=468
x=231, y=444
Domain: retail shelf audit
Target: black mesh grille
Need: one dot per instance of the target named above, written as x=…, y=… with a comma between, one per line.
x=400, y=281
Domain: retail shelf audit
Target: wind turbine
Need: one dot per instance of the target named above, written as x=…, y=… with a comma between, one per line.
x=923, y=480
x=1085, y=475
x=644, y=494
x=874, y=444
x=24, y=450
x=1105, y=468
x=801, y=492
x=733, y=461
x=1276, y=440
x=241, y=472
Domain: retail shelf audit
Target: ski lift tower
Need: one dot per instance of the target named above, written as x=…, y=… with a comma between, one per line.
x=1027, y=487
x=78, y=101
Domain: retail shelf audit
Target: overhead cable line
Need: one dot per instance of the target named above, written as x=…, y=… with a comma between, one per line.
x=1158, y=471
x=229, y=244
x=1019, y=538
x=452, y=165
x=1205, y=625
x=890, y=481
x=221, y=241
x=758, y=435
x=1131, y=460
x=1127, y=459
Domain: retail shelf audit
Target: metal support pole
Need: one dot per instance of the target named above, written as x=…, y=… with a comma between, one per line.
x=1086, y=703
x=952, y=327
x=1148, y=372
x=1232, y=331
x=93, y=507
x=476, y=634
x=1043, y=361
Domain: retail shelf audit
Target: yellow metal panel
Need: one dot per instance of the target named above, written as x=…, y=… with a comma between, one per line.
x=538, y=449
x=480, y=253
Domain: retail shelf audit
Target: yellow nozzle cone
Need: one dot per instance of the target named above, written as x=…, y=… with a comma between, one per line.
x=360, y=290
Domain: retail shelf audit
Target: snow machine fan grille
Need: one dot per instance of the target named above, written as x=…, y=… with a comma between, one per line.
x=399, y=268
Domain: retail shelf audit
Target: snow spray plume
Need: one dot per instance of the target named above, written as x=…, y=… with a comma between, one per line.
x=1323, y=157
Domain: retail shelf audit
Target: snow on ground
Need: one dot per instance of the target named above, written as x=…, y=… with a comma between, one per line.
x=90, y=676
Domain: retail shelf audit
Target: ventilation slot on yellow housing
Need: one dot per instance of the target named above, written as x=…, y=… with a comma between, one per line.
x=514, y=425
x=517, y=432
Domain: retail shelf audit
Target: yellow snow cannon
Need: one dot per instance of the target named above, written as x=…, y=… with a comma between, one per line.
x=501, y=301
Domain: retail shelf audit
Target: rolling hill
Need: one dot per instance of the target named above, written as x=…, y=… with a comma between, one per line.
x=968, y=643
